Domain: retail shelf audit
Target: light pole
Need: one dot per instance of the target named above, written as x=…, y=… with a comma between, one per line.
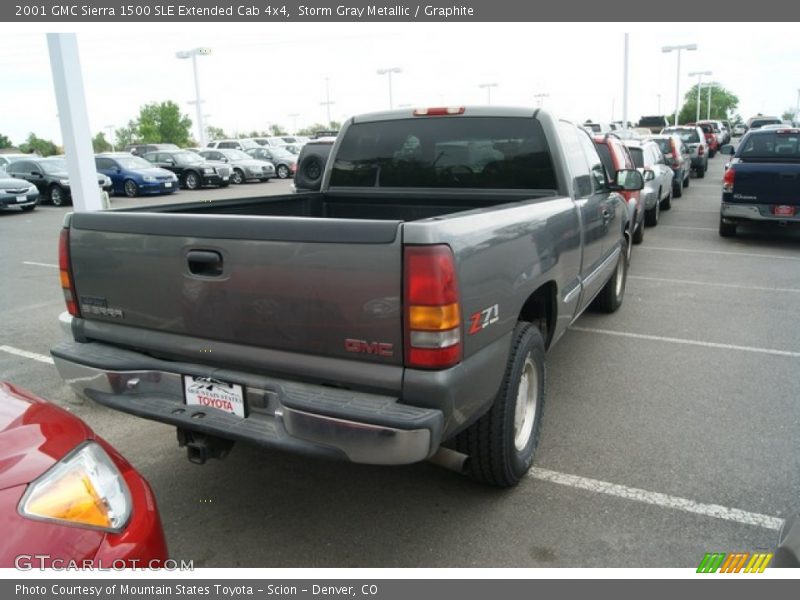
x=709, y=86
x=110, y=129
x=294, y=116
x=699, y=78
x=797, y=108
x=328, y=101
x=625, y=88
x=488, y=87
x=540, y=99
x=678, y=77
x=389, y=72
x=193, y=54
x=659, y=103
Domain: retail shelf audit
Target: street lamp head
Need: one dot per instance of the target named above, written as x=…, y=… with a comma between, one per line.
x=683, y=47
x=202, y=51
x=389, y=70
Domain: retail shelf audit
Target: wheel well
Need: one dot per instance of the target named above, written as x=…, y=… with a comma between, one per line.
x=540, y=309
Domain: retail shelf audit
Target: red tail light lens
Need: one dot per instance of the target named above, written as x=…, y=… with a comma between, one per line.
x=432, y=309
x=728, y=179
x=65, y=274
x=439, y=111
x=701, y=150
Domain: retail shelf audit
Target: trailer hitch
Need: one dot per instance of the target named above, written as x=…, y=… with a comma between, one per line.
x=201, y=447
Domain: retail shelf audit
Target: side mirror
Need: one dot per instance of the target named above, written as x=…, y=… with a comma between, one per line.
x=727, y=149
x=668, y=155
x=649, y=175
x=628, y=180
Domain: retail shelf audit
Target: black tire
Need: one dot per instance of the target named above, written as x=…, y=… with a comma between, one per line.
x=726, y=229
x=666, y=203
x=651, y=215
x=686, y=181
x=677, y=190
x=28, y=208
x=192, y=181
x=501, y=445
x=264, y=179
x=58, y=197
x=712, y=153
x=225, y=184
x=610, y=297
x=638, y=233
x=701, y=172
x=130, y=188
x=282, y=171
x=237, y=176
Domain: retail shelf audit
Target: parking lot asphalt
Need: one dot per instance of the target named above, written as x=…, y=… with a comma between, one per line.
x=671, y=427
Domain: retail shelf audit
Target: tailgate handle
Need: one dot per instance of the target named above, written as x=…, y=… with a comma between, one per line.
x=205, y=262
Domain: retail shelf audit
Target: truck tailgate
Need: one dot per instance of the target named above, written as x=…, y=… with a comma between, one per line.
x=325, y=287
x=766, y=183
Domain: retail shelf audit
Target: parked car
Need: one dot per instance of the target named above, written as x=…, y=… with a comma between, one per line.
x=760, y=121
x=243, y=166
x=285, y=162
x=132, y=175
x=616, y=157
x=142, y=149
x=17, y=192
x=7, y=159
x=51, y=178
x=679, y=159
x=192, y=170
x=695, y=140
x=403, y=309
x=761, y=182
x=598, y=127
x=653, y=123
x=657, y=178
x=240, y=144
x=739, y=130
x=272, y=142
x=712, y=142
x=68, y=495
x=722, y=135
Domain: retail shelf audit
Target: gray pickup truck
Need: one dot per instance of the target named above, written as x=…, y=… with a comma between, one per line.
x=397, y=314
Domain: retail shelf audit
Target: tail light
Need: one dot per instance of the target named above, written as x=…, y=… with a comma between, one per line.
x=65, y=273
x=676, y=154
x=727, y=180
x=439, y=111
x=701, y=150
x=432, y=310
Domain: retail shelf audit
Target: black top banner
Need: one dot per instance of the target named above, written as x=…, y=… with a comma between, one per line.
x=274, y=11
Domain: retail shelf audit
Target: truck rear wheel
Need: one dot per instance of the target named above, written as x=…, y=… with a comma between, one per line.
x=502, y=443
x=610, y=297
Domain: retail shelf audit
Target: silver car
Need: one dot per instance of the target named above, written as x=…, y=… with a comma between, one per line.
x=244, y=167
x=695, y=140
x=657, y=192
x=17, y=192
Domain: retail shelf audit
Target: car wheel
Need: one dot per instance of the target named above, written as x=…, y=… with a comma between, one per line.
x=130, y=188
x=651, y=215
x=701, y=172
x=237, y=176
x=283, y=171
x=638, y=232
x=191, y=180
x=502, y=443
x=712, y=153
x=28, y=208
x=610, y=297
x=666, y=203
x=726, y=229
x=264, y=179
x=58, y=197
x=686, y=181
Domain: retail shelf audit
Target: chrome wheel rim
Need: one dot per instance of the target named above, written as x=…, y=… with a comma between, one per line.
x=56, y=197
x=283, y=172
x=237, y=177
x=130, y=189
x=526, y=405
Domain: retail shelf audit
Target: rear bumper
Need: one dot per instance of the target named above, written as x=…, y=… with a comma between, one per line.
x=287, y=415
x=754, y=212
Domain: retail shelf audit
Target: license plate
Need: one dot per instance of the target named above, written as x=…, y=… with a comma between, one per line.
x=22, y=198
x=225, y=178
x=212, y=393
x=168, y=184
x=783, y=210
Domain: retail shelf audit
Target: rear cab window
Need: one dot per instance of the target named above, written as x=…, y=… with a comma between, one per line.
x=774, y=145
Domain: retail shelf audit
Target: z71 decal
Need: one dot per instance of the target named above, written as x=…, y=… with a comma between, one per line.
x=483, y=318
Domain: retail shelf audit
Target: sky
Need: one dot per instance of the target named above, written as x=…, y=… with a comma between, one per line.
x=259, y=74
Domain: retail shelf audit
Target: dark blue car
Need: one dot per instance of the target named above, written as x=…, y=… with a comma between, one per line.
x=133, y=176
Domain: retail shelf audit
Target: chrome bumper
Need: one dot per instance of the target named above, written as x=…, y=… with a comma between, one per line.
x=754, y=212
x=303, y=418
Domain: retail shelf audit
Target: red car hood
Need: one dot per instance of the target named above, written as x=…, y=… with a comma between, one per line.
x=34, y=435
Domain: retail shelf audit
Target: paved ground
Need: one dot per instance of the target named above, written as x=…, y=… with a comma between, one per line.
x=681, y=437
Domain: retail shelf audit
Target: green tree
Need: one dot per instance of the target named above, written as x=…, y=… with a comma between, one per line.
x=216, y=133
x=723, y=103
x=163, y=122
x=5, y=142
x=38, y=145
x=276, y=130
x=100, y=143
x=788, y=114
x=312, y=129
x=126, y=135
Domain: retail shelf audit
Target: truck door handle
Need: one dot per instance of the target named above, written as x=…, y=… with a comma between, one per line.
x=207, y=263
x=606, y=215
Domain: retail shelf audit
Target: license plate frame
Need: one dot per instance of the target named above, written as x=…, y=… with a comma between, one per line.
x=783, y=210
x=206, y=392
x=22, y=198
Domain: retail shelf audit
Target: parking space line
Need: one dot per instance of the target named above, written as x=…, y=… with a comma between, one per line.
x=658, y=338
x=716, y=511
x=721, y=252
x=712, y=284
x=38, y=264
x=26, y=354
x=684, y=227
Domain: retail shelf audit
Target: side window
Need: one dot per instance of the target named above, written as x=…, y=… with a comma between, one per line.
x=227, y=145
x=104, y=163
x=21, y=166
x=599, y=178
x=576, y=160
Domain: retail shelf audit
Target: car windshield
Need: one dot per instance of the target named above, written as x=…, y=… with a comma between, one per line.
x=54, y=165
x=772, y=145
x=187, y=157
x=475, y=152
x=761, y=122
x=688, y=136
x=133, y=162
x=235, y=154
x=664, y=145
